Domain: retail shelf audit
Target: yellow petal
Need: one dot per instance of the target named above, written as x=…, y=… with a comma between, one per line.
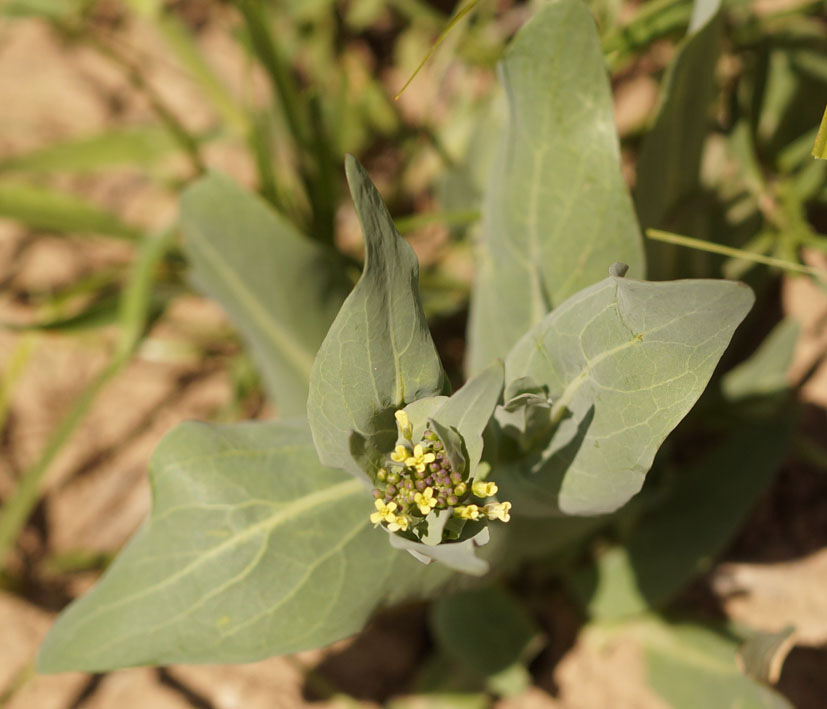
x=483, y=489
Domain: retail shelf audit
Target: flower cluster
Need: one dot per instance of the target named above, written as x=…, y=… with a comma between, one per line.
x=419, y=478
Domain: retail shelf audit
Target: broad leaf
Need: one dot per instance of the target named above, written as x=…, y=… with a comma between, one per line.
x=252, y=549
x=669, y=164
x=623, y=361
x=280, y=289
x=689, y=665
x=693, y=666
x=762, y=656
x=764, y=373
x=378, y=355
x=470, y=408
x=557, y=212
x=460, y=556
x=699, y=515
x=487, y=631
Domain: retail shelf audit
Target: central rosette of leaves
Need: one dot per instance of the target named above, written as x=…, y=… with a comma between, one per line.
x=424, y=487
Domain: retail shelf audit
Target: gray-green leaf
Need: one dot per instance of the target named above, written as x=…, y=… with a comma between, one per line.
x=670, y=159
x=670, y=544
x=280, y=289
x=470, y=408
x=623, y=361
x=378, y=355
x=556, y=213
x=252, y=549
x=762, y=656
x=486, y=630
x=693, y=666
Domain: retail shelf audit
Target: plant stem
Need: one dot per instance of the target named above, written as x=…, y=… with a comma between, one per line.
x=304, y=122
x=17, y=508
x=689, y=242
x=187, y=142
x=14, y=368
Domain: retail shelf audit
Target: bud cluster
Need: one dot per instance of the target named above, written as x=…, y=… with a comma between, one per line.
x=418, y=478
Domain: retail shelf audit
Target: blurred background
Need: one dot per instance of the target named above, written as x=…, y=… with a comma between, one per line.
x=109, y=109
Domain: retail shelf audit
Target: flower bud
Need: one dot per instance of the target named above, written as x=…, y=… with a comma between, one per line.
x=403, y=423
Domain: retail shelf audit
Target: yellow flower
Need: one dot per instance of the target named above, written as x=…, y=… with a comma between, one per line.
x=398, y=522
x=498, y=510
x=404, y=424
x=384, y=512
x=400, y=454
x=467, y=511
x=482, y=489
x=419, y=459
x=425, y=501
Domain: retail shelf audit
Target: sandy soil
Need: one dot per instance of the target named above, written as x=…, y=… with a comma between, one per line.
x=96, y=493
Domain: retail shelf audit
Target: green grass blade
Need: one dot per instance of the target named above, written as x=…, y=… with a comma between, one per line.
x=17, y=508
x=135, y=307
x=136, y=146
x=42, y=208
x=181, y=42
x=455, y=20
x=14, y=367
x=820, y=146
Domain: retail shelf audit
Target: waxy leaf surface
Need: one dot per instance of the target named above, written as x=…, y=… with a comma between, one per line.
x=280, y=289
x=471, y=407
x=378, y=355
x=487, y=630
x=668, y=170
x=557, y=212
x=696, y=519
x=623, y=361
x=252, y=549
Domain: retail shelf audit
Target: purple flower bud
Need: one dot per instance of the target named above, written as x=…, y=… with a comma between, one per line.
x=377, y=493
x=437, y=445
x=440, y=501
x=393, y=477
x=452, y=499
x=391, y=490
x=433, y=467
x=420, y=474
x=456, y=477
x=421, y=485
x=429, y=480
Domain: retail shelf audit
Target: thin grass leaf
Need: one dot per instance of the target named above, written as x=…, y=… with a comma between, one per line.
x=137, y=146
x=134, y=313
x=42, y=208
x=455, y=20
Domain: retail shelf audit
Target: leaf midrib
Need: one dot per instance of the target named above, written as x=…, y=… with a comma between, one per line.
x=288, y=513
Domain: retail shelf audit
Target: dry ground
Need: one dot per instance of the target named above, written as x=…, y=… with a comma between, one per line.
x=96, y=493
